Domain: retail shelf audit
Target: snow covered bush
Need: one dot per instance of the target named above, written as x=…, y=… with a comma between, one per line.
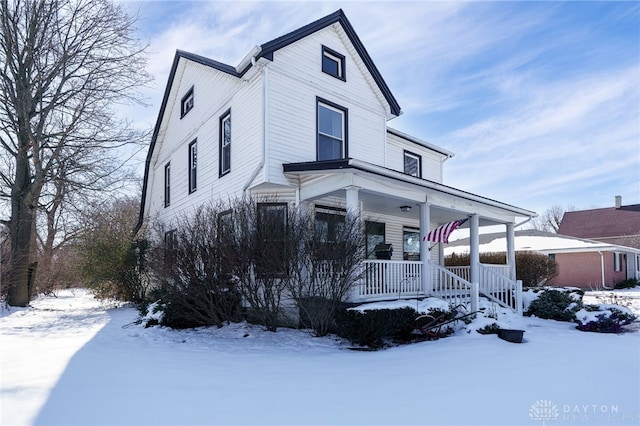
x=403, y=321
x=556, y=304
x=604, y=318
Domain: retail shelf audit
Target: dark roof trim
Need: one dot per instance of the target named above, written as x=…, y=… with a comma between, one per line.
x=417, y=141
x=267, y=50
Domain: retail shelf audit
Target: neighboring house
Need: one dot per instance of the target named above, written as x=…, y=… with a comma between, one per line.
x=583, y=263
x=304, y=118
x=618, y=225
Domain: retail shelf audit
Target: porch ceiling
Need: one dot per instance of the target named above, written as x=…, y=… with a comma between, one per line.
x=384, y=191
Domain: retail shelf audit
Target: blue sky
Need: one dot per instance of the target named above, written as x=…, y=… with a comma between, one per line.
x=540, y=101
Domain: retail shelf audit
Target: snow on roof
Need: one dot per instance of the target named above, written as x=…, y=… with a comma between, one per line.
x=546, y=243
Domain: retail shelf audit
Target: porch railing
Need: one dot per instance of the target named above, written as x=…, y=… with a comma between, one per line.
x=451, y=287
x=465, y=271
x=390, y=278
x=500, y=288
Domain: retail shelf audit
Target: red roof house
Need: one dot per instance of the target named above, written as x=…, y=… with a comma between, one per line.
x=614, y=225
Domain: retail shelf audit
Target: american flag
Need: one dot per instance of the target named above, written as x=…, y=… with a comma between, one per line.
x=442, y=232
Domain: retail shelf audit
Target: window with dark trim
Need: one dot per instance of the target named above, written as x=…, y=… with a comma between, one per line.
x=617, y=262
x=333, y=63
x=271, y=259
x=225, y=143
x=169, y=247
x=225, y=232
x=193, y=166
x=410, y=244
x=167, y=184
x=332, y=131
x=375, y=234
x=412, y=164
x=186, y=104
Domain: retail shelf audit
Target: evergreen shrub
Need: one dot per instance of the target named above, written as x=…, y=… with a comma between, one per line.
x=555, y=304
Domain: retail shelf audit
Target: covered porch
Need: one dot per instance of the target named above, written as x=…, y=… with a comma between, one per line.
x=407, y=208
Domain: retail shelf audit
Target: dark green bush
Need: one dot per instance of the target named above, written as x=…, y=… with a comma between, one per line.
x=556, y=305
x=628, y=283
x=492, y=328
x=369, y=328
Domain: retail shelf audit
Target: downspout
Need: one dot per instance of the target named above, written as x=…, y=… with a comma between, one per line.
x=602, y=269
x=263, y=71
x=522, y=223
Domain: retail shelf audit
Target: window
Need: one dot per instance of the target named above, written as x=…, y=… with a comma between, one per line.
x=329, y=231
x=225, y=224
x=167, y=185
x=375, y=232
x=332, y=131
x=169, y=248
x=186, y=104
x=193, y=166
x=617, y=262
x=333, y=63
x=225, y=236
x=271, y=258
x=412, y=164
x=411, y=244
x=225, y=143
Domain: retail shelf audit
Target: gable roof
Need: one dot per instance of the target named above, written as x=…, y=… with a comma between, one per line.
x=602, y=223
x=266, y=51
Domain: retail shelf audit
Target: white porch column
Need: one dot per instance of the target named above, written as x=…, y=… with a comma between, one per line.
x=353, y=200
x=474, y=257
x=511, y=251
x=425, y=219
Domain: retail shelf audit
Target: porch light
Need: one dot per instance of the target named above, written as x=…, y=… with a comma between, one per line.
x=405, y=208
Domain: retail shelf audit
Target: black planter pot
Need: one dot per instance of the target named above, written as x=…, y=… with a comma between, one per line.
x=514, y=336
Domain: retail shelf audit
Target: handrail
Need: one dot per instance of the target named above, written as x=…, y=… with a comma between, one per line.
x=452, y=287
x=500, y=289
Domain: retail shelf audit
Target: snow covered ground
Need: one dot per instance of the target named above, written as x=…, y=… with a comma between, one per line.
x=73, y=360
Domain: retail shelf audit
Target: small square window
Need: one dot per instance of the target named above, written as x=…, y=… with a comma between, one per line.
x=412, y=164
x=186, y=104
x=333, y=63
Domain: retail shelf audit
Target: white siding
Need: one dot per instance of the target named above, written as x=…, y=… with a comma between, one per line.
x=295, y=80
x=431, y=160
x=214, y=93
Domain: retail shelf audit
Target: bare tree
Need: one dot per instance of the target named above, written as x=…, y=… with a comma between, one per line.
x=550, y=220
x=65, y=65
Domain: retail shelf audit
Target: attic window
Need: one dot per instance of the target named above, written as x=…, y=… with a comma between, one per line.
x=186, y=104
x=412, y=164
x=333, y=63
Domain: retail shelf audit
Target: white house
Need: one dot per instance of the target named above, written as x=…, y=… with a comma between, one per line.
x=304, y=118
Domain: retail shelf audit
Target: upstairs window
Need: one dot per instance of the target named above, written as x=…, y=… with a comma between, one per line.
x=186, y=104
x=332, y=131
x=193, y=166
x=167, y=185
x=225, y=143
x=333, y=63
x=412, y=164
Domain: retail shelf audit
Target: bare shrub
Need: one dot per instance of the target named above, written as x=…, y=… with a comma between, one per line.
x=194, y=289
